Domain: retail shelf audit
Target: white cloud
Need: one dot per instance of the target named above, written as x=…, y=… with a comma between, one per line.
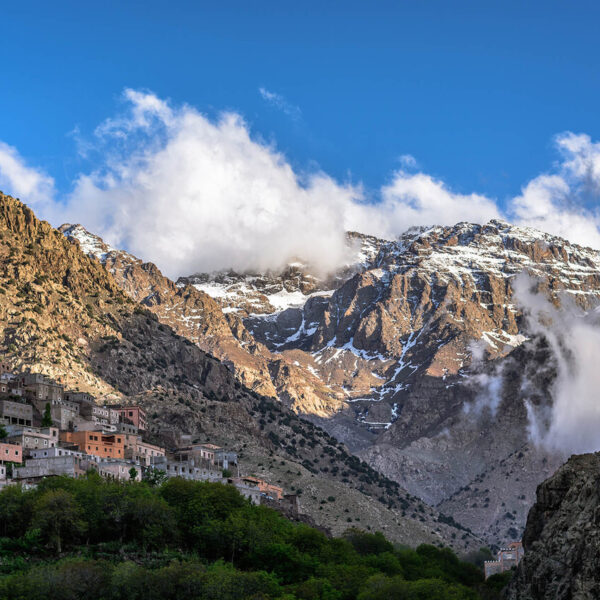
x=419, y=199
x=571, y=423
x=556, y=202
x=279, y=102
x=201, y=195
x=32, y=185
x=408, y=161
x=195, y=194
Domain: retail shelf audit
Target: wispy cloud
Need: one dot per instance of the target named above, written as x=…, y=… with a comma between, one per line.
x=408, y=161
x=279, y=102
x=570, y=423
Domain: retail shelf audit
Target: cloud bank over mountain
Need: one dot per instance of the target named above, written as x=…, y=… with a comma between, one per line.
x=198, y=194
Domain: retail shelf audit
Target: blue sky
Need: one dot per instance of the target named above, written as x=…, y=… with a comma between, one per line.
x=474, y=91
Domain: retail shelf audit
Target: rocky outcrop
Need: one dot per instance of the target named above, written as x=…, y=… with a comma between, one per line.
x=562, y=536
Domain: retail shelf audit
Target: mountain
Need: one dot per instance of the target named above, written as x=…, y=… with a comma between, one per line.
x=64, y=314
x=417, y=335
x=562, y=537
x=415, y=354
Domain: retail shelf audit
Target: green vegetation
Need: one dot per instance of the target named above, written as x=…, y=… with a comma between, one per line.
x=47, y=417
x=96, y=539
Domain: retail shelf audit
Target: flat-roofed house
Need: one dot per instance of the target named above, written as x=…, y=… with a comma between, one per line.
x=96, y=443
x=12, y=453
x=16, y=413
x=33, y=438
x=132, y=414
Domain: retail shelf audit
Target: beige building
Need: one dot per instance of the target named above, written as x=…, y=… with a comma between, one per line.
x=114, y=469
x=141, y=452
x=38, y=468
x=39, y=388
x=16, y=413
x=33, y=438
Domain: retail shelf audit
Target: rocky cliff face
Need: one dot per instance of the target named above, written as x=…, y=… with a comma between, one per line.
x=562, y=536
x=64, y=314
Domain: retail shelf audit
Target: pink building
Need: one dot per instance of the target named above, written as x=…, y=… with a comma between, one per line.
x=132, y=414
x=11, y=453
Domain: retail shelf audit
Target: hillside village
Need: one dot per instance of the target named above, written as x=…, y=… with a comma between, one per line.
x=46, y=431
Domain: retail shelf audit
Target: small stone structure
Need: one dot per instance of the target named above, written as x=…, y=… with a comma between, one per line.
x=507, y=559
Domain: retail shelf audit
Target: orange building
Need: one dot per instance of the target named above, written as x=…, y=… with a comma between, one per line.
x=266, y=489
x=96, y=443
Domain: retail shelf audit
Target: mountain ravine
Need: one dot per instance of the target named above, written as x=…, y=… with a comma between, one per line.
x=415, y=354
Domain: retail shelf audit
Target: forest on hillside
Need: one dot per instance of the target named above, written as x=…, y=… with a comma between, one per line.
x=95, y=539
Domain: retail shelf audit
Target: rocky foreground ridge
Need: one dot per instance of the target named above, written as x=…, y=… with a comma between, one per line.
x=562, y=536
x=63, y=314
x=416, y=355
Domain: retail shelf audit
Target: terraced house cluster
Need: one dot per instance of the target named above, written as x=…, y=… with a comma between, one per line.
x=46, y=430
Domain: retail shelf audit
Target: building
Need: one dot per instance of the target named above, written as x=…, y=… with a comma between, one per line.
x=11, y=453
x=225, y=459
x=134, y=415
x=103, y=415
x=39, y=388
x=198, y=455
x=141, y=452
x=64, y=414
x=57, y=451
x=248, y=489
x=96, y=443
x=38, y=468
x=508, y=558
x=79, y=397
x=127, y=428
x=82, y=425
x=272, y=492
x=16, y=413
x=33, y=438
x=186, y=470
x=114, y=469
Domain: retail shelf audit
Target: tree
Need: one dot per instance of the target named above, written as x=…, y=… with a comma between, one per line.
x=3, y=433
x=133, y=473
x=57, y=515
x=154, y=476
x=47, y=418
